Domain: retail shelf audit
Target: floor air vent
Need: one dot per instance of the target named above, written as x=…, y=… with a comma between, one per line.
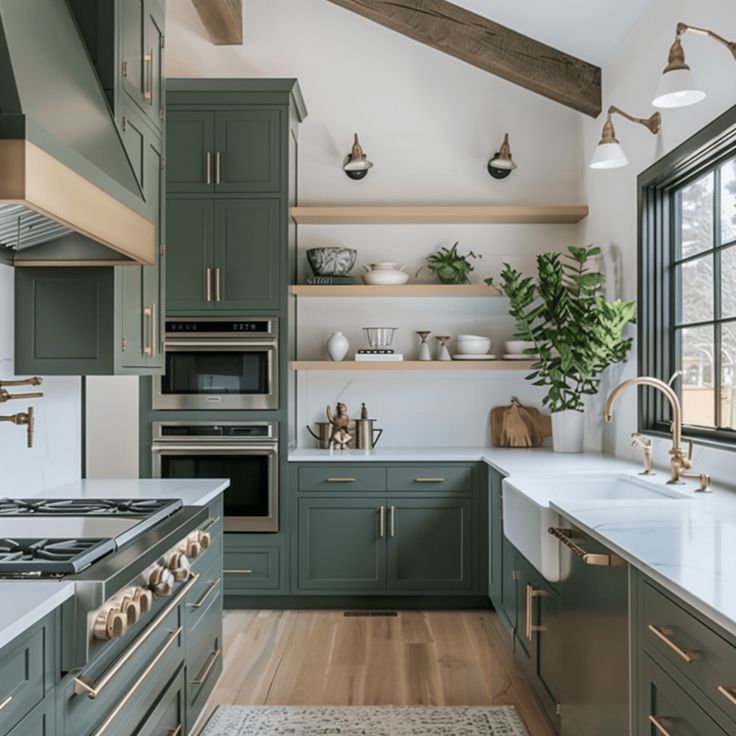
x=353, y=614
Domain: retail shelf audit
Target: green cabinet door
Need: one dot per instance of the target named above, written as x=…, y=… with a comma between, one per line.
x=153, y=64
x=247, y=256
x=429, y=543
x=131, y=42
x=190, y=144
x=169, y=715
x=495, y=537
x=509, y=586
x=341, y=544
x=189, y=254
x=247, y=151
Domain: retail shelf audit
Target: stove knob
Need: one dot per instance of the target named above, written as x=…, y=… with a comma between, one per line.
x=110, y=623
x=192, y=548
x=144, y=598
x=130, y=608
x=179, y=565
x=204, y=539
x=161, y=581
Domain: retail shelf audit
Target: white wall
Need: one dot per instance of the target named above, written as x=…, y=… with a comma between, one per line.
x=56, y=455
x=630, y=78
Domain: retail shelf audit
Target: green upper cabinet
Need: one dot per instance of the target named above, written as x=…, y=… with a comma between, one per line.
x=189, y=143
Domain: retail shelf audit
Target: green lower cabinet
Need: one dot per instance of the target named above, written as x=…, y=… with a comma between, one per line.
x=429, y=544
x=341, y=544
x=41, y=721
x=250, y=569
x=169, y=716
x=509, y=601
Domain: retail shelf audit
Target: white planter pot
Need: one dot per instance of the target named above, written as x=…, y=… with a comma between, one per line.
x=568, y=431
x=337, y=346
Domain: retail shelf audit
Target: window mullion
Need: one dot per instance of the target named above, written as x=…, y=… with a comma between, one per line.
x=718, y=336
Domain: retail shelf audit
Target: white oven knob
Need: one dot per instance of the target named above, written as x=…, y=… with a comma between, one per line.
x=192, y=548
x=161, y=581
x=111, y=623
x=144, y=598
x=204, y=539
x=178, y=564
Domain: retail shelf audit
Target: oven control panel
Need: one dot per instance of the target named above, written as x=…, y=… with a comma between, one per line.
x=178, y=327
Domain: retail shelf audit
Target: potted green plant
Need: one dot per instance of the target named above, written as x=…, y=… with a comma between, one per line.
x=451, y=267
x=576, y=332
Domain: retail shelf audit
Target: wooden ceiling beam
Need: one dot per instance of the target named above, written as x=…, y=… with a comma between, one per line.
x=490, y=46
x=223, y=20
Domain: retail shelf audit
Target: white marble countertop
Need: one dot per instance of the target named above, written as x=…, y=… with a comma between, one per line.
x=25, y=603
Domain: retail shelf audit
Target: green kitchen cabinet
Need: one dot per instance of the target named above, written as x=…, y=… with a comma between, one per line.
x=41, y=721
x=225, y=151
x=341, y=544
x=169, y=716
x=495, y=536
x=508, y=603
x=429, y=543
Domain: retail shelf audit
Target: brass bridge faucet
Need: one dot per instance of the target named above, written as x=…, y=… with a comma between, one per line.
x=680, y=460
x=22, y=418
x=5, y=395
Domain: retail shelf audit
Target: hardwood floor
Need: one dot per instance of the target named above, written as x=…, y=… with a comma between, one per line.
x=414, y=658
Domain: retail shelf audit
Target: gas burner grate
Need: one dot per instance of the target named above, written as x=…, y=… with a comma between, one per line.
x=85, y=506
x=50, y=557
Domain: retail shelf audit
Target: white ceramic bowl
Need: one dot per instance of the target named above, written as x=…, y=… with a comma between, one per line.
x=386, y=266
x=385, y=278
x=473, y=345
x=518, y=347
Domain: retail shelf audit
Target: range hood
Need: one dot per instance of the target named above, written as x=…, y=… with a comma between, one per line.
x=68, y=194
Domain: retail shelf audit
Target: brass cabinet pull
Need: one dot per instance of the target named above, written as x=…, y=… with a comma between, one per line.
x=217, y=285
x=381, y=522
x=204, y=674
x=659, y=726
x=174, y=635
x=233, y=571
x=429, y=480
x=206, y=595
x=341, y=480
x=208, y=284
x=663, y=633
x=154, y=332
x=218, y=167
x=728, y=692
x=6, y=702
x=148, y=74
x=175, y=731
x=589, y=558
x=83, y=687
x=392, y=521
x=148, y=333
x=531, y=594
x=208, y=167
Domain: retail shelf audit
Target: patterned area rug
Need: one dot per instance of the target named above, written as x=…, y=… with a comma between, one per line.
x=245, y=720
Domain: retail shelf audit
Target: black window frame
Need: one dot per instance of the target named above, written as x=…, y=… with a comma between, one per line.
x=709, y=148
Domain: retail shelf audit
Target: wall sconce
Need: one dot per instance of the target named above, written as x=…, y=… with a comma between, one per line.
x=609, y=154
x=356, y=164
x=677, y=86
x=501, y=165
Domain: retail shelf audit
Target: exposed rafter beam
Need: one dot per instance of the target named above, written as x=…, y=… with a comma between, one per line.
x=223, y=20
x=490, y=46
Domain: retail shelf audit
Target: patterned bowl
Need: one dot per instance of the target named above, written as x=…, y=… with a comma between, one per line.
x=331, y=260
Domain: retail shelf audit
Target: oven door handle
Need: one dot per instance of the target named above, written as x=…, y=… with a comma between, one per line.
x=216, y=448
x=230, y=344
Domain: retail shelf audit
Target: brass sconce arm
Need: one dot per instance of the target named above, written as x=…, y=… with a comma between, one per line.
x=653, y=123
x=24, y=418
x=684, y=27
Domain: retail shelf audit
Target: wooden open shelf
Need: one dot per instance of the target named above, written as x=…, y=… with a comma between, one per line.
x=440, y=214
x=432, y=290
x=411, y=365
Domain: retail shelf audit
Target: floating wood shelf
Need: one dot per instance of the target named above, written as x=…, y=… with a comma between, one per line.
x=441, y=214
x=411, y=365
x=432, y=290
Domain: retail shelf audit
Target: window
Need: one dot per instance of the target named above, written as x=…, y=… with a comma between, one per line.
x=687, y=280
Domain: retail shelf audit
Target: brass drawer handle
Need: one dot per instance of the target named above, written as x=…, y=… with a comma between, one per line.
x=218, y=167
x=173, y=636
x=206, y=595
x=6, y=702
x=392, y=521
x=208, y=169
x=381, y=522
x=429, y=480
x=175, y=731
x=663, y=633
x=659, y=726
x=239, y=572
x=589, y=558
x=728, y=692
x=531, y=594
x=82, y=686
x=341, y=480
x=205, y=673
x=208, y=284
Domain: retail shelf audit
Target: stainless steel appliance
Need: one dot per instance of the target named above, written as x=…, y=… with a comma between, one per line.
x=594, y=688
x=219, y=363
x=247, y=453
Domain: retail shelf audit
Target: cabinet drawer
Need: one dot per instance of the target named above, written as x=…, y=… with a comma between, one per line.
x=204, y=661
x=251, y=568
x=206, y=593
x=168, y=717
x=677, y=638
x=39, y=722
x=22, y=677
x=434, y=478
x=342, y=478
x=665, y=708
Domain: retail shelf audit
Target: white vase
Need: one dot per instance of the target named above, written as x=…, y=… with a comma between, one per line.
x=568, y=430
x=337, y=346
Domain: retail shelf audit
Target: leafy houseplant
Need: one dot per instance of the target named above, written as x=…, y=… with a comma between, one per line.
x=576, y=332
x=450, y=266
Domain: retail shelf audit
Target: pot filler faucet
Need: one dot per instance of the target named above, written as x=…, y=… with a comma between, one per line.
x=680, y=460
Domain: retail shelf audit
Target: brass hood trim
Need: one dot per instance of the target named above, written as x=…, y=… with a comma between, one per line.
x=34, y=178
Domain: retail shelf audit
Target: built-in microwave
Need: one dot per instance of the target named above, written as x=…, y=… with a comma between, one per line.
x=219, y=363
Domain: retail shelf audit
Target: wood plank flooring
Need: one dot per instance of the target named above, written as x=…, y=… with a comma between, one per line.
x=414, y=658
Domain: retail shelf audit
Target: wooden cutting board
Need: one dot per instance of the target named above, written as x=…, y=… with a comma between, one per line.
x=525, y=428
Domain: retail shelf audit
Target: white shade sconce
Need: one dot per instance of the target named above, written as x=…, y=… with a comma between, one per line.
x=609, y=154
x=501, y=165
x=356, y=164
x=677, y=86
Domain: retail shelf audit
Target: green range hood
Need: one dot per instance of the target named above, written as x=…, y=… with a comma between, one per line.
x=68, y=194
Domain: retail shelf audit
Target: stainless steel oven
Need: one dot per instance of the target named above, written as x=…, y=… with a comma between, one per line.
x=219, y=363
x=247, y=453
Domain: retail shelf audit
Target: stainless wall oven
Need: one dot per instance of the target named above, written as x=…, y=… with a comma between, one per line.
x=245, y=452
x=219, y=363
